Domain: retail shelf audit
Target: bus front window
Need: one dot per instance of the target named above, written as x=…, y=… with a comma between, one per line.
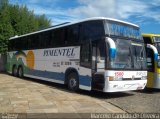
x=129, y=55
x=123, y=55
x=130, y=52
x=138, y=55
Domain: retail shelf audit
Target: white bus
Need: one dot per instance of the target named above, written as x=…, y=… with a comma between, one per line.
x=93, y=54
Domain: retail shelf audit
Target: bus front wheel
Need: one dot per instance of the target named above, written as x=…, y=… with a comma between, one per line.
x=73, y=83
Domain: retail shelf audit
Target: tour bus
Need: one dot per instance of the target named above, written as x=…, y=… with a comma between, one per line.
x=153, y=60
x=99, y=53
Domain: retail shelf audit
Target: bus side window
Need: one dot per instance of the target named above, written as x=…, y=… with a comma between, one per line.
x=85, y=55
x=33, y=41
x=73, y=35
x=11, y=46
x=150, y=60
x=58, y=37
x=19, y=44
x=92, y=30
x=23, y=44
x=147, y=40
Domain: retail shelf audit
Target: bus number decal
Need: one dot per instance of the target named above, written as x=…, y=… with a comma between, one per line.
x=119, y=74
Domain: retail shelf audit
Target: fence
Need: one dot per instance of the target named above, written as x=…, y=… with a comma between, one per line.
x=3, y=60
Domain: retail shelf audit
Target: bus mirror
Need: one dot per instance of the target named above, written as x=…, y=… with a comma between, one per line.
x=112, y=47
x=152, y=47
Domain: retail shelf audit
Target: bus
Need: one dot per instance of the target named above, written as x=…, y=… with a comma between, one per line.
x=153, y=60
x=97, y=53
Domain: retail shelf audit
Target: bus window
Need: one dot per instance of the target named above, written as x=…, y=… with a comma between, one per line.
x=92, y=30
x=19, y=44
x=47, y=39
x=59, y=37
x=150, y=60
x=147, y=40
x=33, y=42
x=72, y=35
x=86, y=55
x=11, y=45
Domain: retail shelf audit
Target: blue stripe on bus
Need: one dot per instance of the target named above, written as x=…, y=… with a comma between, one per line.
x=155, y=56
x=83, y=80
x=47, y=74
x=112, y=52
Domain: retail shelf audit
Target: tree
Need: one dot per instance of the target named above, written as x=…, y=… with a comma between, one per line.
x=18, y=20
x=6, y=29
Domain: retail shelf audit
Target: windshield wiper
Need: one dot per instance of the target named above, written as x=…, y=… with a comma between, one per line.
x=129, y=59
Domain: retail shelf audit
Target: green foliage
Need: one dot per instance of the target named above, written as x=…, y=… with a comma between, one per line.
x=18, y=20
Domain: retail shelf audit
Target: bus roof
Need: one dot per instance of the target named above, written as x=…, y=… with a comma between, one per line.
x=149, y=34
x=67, y=24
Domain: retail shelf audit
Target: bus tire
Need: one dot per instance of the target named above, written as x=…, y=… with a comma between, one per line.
x=72, y=81
x=14, y=70
x=20, y=71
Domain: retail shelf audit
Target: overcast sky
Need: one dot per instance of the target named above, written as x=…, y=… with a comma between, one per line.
x=145, y=13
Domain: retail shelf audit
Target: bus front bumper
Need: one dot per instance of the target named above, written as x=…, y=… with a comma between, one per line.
x=120, y=86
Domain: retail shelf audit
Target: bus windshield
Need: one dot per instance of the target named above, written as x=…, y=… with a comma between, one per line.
x=130, y=51
x=129, y=55
x=157, y=42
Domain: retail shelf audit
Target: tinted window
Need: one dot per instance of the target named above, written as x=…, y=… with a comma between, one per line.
x=59, y=37
x=33, y=41
x=85, y=55
x=92, y=30
x=49, y=39
x=147, y=40
x=72, y=35
x=11, y=46
x=18, y=44
x=150, y=59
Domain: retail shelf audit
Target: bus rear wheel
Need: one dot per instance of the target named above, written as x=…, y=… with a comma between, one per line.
x=73, y=82
x=20, y=71
x=14, y=70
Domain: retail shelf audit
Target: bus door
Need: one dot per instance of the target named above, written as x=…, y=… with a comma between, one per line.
x=150, y=67
x=98, y=65
x=85, y=77
x=98, y=57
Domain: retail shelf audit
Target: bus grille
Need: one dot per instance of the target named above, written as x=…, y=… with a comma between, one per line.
x=131, y=79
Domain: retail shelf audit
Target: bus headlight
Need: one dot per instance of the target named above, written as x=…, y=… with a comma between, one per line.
x=117, y=78
x=111, y=78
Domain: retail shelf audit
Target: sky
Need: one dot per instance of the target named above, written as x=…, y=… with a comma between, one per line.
x=145, y=13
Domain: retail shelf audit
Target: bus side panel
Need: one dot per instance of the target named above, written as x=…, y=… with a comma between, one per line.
x=11, y=61
x=150, y=79
x=51, y=64
x=9, y=65
x=85, y=78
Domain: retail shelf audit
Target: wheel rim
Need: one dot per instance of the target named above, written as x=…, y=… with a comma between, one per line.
x=20, y=72
x=15, y=71
x=72, y=83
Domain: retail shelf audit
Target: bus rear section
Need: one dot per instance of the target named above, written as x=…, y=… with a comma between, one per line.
x=152, y=42
x=94, y=54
